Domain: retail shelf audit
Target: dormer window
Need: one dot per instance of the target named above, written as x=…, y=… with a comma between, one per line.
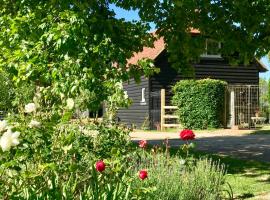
x=212, y=49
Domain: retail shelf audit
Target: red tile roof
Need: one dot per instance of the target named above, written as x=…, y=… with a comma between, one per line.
x=147, y=52
x=152, y=53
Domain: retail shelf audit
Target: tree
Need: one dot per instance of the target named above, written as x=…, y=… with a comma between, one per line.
x=80, y=50
x=241, y=26
x=69, y=49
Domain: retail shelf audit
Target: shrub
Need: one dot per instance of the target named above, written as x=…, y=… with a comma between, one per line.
x=8, y=100
x=55, y=161
x=200, y=103
x=175, y=180
x=6, y=91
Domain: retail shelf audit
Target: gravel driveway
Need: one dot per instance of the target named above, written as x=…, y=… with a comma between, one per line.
x=236, y=143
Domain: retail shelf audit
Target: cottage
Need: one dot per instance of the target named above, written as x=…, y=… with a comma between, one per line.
x=145, y=110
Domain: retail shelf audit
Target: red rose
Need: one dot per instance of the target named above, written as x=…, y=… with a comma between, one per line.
x=187, y=135
x=143, y=143
x=143, y=174
x=100, y=166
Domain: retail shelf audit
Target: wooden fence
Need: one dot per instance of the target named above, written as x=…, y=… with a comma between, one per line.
x=164, y=115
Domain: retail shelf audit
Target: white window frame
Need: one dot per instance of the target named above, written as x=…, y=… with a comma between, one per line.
x=143, y=102
x=205, y=55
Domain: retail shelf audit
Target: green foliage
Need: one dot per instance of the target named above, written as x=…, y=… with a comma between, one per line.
x=6, y=91
x=56, y=161
x=173, y=179
x=72, y=49
x=200, y=103
x=229, y=22
x=264, y=98
x=111, y=140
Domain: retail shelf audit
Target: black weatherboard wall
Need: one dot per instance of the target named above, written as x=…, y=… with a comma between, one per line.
x=138, y=112
x=215, y=68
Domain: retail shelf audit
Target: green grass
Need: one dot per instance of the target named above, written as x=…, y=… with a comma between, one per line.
x=262, y=130
x=246, y=178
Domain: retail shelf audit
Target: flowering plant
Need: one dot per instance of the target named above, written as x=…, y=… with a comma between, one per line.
x=143, y=144
x=100, y=166
x=143, y=174
x=187, y=134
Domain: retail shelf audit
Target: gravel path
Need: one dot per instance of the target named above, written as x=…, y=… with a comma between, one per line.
x=236, y=143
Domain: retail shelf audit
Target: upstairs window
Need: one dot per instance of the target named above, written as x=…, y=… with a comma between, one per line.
x=212, y=49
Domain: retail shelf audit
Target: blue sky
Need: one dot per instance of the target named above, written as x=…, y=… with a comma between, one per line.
x=133, y=15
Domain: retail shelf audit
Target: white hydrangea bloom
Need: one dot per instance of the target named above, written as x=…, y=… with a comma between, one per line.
x=3, y=125
x=29, y=108
x=34, y=124
x=9, y=139
x=70, y=103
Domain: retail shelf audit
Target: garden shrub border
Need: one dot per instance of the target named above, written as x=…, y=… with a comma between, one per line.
x=201, y=103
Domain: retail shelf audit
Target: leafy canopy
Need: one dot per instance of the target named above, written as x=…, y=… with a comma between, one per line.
x=241, y=26
x=79, y=49
x=70, y=48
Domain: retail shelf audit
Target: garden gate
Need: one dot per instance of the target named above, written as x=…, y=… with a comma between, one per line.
x=247, y=106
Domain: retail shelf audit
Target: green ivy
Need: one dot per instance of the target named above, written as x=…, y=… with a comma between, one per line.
x=200, y=103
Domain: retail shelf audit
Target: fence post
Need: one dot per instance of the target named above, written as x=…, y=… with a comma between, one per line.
x=225, y=107
x=162, y=111
x=232, y=110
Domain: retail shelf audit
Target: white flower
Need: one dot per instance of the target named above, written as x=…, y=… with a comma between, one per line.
x=29, y=108
x=34, y=124
x=3, y=125
x=125, y=95
x=119, y=85
x=67, y=148
x=70, y=103
x=92, y=133
x=182, y=161
x=9, y=139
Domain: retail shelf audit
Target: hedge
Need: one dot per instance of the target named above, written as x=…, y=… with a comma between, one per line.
x=200, y=103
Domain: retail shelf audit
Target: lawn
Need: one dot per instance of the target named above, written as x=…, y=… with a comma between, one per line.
x=247, y=179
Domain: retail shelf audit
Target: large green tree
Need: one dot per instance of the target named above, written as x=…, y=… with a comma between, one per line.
x=241, y=26
x=69, y=48
x=79, y=48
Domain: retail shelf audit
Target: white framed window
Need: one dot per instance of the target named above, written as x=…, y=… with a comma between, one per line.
x=143, y=102
x=212, y=49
